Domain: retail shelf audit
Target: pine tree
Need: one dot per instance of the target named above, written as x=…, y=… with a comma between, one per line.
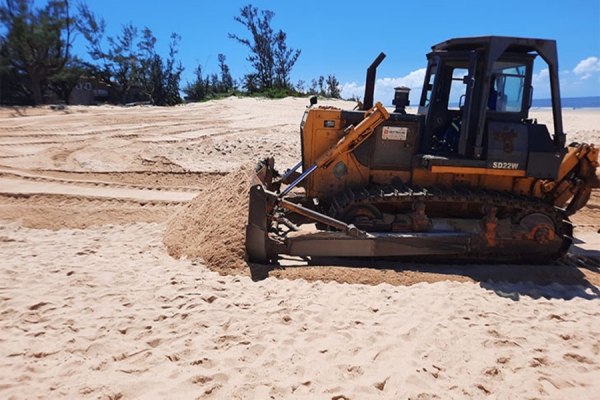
x=37, y=42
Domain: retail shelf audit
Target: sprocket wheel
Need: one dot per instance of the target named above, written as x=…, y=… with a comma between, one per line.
x=361, y=215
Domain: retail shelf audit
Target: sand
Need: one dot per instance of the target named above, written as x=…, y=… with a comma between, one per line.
x=118, y=280
x=217, y=217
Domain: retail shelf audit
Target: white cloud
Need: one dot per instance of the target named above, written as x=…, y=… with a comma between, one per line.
x=541, y=84
x=573, y=83
x=583, y=80
x=384, y=88
x=352, y=90
x=587, y=67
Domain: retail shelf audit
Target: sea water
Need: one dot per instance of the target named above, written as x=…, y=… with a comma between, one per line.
x=569, y=102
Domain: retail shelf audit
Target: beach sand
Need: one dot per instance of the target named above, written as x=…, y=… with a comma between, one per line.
x=106, y=291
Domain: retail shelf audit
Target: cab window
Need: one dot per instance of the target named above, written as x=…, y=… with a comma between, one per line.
x=458, y=88
x=507, y=86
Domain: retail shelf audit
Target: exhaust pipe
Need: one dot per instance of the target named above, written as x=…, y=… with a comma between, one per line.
x=370, y=82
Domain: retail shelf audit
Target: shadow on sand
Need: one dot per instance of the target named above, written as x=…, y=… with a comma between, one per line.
x=565, y=279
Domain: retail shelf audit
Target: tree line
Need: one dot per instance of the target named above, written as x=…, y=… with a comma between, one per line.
x=37, y=64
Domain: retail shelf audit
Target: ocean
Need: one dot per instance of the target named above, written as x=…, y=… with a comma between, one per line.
x=570, y=102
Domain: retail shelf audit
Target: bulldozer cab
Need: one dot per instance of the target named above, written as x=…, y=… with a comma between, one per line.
x=478, y=91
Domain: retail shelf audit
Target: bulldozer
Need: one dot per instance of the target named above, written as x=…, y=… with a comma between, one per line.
x=468, y=176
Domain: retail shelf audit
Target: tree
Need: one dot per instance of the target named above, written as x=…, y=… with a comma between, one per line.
x=37, y=41
x=118, y=62
x=63, y=83
x=197, y=90
x=260, y=46
x=205, y=87
x=318, y=86
x=251, y=83
x=159, y=78
x=329, y=87
x=14, y=85
x=301, y=86
x=271, y=59
x=129, y=60
x=226, y=83
x=284, y=60
x=333, y=87
x=92, y=29
x=122, y=59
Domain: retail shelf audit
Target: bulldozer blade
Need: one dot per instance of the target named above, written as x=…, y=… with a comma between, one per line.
x=257, y=228
x=336, y=244
x=264, y=173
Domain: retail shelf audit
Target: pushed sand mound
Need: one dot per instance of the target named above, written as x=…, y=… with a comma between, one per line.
x=213, y=225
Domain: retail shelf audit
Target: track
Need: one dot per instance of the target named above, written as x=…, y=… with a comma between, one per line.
x=446, y=203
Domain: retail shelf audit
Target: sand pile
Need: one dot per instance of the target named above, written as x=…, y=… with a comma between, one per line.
x=213, y=225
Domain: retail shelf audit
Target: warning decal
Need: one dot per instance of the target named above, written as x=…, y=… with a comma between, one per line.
x=394, y=133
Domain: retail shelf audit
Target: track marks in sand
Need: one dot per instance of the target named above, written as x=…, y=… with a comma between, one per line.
x=61, y=211
x=77, y=140
x=63, y=199
x=83, y=179
x=171, y=180
x=18, y=188
x=206, y=137
x=142, y=316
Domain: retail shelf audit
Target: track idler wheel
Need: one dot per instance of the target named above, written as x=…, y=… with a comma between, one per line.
x=363, y=216
x=538, y=227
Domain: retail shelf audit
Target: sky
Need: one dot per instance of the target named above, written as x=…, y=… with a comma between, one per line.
x=342, y=38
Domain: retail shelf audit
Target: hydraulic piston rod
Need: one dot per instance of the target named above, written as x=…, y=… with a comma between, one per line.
x=353, y=136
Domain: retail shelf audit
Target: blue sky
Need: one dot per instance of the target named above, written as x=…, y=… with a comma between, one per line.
x=344, y=37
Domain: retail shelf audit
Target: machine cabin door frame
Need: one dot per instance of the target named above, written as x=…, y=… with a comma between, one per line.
x=440, y=84
x=428, y=96
x=465, y=130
